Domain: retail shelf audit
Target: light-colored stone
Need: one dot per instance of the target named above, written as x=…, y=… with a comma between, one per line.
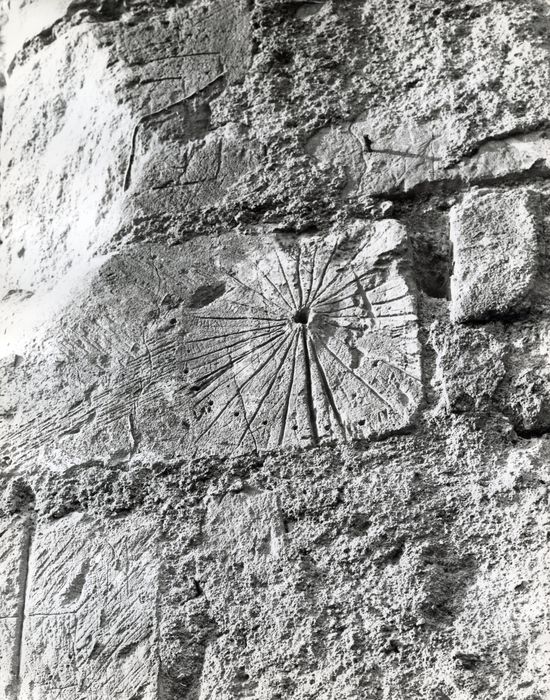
x=128, y=136
x=91, y=614
x=497, y=252
x=15, y=537
x=245, y=450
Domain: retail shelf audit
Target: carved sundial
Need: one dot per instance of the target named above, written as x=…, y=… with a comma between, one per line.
x=231, y=344
x=302, y=341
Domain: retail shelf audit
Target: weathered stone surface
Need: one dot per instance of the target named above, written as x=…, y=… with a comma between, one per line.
x=14, y=554
x=497, y=251
x=130, y=137
x=89, y=620
x=274, y=379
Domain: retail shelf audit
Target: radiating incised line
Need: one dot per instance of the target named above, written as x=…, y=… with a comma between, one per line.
x=251, y=289
x=221, y=370
x=360, y=379
x=328, y=391
x=289, y=392
x=277, y=290
x=283, y=360
x=309, y=389
x=271, y=383
x=286, y=279
x=241, y=387
x=324, y=272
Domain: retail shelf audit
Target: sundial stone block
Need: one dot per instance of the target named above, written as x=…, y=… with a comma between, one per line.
x=311, y=340
x=496, y=242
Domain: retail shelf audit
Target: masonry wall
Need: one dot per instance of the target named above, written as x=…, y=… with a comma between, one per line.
x=274, y=339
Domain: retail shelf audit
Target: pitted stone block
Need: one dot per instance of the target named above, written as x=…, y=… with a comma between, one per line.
x=495, y=236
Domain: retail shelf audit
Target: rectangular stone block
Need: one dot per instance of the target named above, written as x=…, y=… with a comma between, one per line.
x=90, y=626
x=496, y=239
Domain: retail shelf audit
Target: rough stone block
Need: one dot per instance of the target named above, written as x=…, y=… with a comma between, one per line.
x=495, y=237
x=90, y=614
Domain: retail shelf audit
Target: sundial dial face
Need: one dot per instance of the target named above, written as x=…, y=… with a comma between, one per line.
x=308, y=341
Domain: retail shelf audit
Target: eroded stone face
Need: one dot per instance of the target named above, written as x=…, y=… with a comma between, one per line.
x=497, y=252
x=90, y=611
x=128, y=135
x=310, y=341
x=193, y=384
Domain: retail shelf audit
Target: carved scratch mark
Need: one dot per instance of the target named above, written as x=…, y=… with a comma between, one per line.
x=286, y=280
x=360, y=379
x=235, y=318
x=255, y=291
x=327, y=388
x=245, y=415
x=276, y=289
x=172, y=58
x=128, y=174
x=299, y=277
x=22, y=612
x=220, y=371
x=312, y=275
x=225, y=348
x=157, y=113
x=324, y=272
x=335, y=293
x=270, y=386
x=273, y=326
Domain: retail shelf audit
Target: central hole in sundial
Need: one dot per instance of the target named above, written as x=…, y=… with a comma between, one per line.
x=301, y=316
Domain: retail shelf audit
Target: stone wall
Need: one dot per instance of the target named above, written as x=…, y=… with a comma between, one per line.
x=274, y=340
